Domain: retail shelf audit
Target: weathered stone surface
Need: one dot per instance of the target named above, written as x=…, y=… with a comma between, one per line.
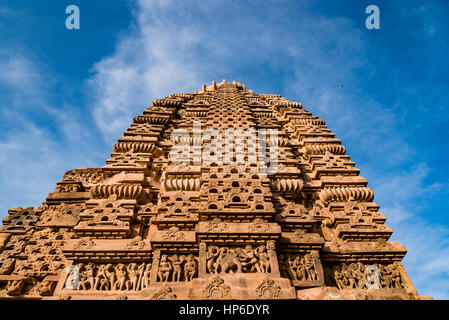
x=147, y=227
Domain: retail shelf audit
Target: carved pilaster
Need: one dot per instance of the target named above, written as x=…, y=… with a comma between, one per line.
x=271, y=249
x=155, y=266
x=202, y=263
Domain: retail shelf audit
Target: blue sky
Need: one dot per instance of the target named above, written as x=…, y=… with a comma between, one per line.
x=67, y=95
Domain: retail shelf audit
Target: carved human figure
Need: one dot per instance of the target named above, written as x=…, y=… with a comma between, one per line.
x=339, y=278
x=358, y=272
x=385, y=281
x=299, y=269
x=109, y=273
x=165, y=269
x=249, y=260
x=177, y=267
x=146, y=276
x=309, y=266
x=211, y=255
x=264, y=259
x=395, y=275
x=120, y=272
x=349, y=276
x=87, y=277
x=140, y=272
x=133, y=274
x=190, y=268
x=291, y=268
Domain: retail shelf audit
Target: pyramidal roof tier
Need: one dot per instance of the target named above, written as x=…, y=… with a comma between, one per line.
x=218, y=194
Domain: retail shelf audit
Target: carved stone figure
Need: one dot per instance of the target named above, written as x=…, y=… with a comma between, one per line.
x=15, y=287
x=190, y=268
x=165, y=269
x=212, y=254
x=120, y=271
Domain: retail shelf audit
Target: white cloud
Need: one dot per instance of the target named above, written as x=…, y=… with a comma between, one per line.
x=35, y=155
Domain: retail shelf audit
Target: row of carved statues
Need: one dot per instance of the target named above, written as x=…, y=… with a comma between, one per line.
x=360, y=276
x=177, y=268
x=237, y=260
x=109, y=277
x=299, y=267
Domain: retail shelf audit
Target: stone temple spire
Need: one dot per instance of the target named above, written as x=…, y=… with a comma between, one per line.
x=219, y=194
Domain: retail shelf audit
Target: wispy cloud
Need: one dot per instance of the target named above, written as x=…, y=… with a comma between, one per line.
x=40, y=141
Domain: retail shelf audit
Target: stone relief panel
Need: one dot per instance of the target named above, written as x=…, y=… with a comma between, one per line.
x=177, y=268
x=112, y=277
x=237, y=260
x=363, y=276
x=299, y=267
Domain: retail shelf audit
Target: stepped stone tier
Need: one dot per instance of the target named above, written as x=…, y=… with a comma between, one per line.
x=147, y=227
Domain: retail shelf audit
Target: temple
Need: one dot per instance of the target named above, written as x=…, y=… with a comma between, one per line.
x=218, y=194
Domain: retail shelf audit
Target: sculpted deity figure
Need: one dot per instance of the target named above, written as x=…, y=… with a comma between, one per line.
x=309, y=266
x=165, y=269
x=358, y=271
x=120, y=272
x=146, y=276
x=264, y=259
x=339, y=277
x=87, y=276
x=211, y=255
x=249, y=260
x=140, y=271
x=177, y=267
x=395, y=275
x=298, y=268
x=109, y=277
x=133, y=273
x=190, y=268
x=385, y=277
x=350, y=279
